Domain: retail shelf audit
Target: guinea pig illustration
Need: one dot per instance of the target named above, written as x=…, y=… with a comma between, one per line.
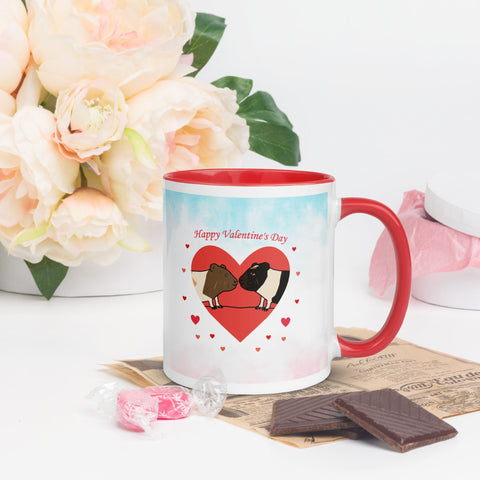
x=210, y=283
x=267, y=282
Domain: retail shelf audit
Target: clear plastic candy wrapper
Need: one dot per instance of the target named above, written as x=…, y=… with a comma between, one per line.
x=103, y=399
x=210, y=393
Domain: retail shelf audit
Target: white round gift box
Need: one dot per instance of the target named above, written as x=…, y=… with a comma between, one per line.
x=133, y=272
x=453, y=199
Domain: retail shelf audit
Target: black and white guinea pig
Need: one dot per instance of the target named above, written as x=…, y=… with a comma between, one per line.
x=270, y=284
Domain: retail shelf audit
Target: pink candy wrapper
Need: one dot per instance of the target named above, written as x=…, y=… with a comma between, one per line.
x=173, y=402
x=434, y=248
x=139, y=409
x=136, y=410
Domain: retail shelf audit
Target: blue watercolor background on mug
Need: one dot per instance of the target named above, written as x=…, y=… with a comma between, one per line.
x=302, y=219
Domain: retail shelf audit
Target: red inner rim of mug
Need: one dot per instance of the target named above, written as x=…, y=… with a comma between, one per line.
x=248, y=177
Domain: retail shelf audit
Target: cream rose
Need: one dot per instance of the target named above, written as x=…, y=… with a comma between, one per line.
x=133, y=43
x=186, y=124
x=34, y=177
x=17, y=197
x=90, y=115
x=14, y=51
x=87, y=224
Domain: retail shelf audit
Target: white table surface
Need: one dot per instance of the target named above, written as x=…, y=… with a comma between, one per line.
x=50, y=359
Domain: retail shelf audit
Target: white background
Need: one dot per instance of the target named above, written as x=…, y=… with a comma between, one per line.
x=383, y=94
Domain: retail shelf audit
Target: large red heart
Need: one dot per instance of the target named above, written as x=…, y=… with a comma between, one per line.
x=239, y=313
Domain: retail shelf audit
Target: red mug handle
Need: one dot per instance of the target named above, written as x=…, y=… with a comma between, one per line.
x=380, y=340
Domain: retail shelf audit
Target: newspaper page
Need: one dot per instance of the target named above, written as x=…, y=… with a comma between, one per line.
x=442, y=384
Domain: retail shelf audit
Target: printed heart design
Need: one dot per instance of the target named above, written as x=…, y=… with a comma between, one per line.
x=268, y=337
x=228, y=290
x=197, y=336
x=285, y=321
x=195, y=318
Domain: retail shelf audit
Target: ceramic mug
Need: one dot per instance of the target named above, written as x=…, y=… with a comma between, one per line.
x=248, y=268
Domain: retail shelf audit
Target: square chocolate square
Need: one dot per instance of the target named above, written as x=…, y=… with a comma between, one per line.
x=394, y=419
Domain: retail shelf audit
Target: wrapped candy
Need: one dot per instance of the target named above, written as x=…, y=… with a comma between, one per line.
x=137, y=410
x=140, y=409
x=173, y=402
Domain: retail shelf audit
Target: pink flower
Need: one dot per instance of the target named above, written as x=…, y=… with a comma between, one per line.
x=17, y=197
x=133, y=43
x=186, y=124
x=14, y=51
x=33, y=177
x=87, y=224
x=90, y=116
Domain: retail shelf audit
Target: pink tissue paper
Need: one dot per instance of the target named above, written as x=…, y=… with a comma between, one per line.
x=434, y=247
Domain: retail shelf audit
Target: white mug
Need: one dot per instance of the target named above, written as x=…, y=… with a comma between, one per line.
x=248, y=268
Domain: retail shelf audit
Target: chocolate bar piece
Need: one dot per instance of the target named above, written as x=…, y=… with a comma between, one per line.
x=394, y=419
x=353, y=433
x=308, y=414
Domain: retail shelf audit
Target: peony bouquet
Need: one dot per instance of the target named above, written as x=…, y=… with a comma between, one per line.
x=98, y=100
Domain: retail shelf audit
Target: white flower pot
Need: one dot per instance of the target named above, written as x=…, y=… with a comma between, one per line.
x=133, y=272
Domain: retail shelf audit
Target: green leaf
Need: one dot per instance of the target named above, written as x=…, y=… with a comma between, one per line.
x=262, y=106
x=133, y=241
x=50, y=103
x=208, y=33
x=243, y=86
x=48, y=275
x=28, y=235
x=140, y=148
x=277, y=142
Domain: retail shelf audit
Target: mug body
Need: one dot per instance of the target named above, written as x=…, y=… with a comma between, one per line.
x=248, y=259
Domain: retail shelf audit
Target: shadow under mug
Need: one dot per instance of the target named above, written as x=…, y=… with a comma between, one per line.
x=248, y=268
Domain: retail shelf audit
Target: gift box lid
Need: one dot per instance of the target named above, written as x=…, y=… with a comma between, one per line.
x=453, y=198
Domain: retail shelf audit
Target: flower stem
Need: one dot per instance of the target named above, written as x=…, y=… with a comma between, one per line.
x=83, y=178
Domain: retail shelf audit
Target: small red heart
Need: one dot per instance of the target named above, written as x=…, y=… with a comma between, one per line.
x=183, y=270
x=222, y=349
x=212, y=335
x=184, y=297
x=298, y=273
x=257, y=349
x=268, y=337
x=187, y=245
x=195, y=318
x=297, y=300
x=197, y=336
x=294, y=248
x=284, y=338
x=285, y=321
